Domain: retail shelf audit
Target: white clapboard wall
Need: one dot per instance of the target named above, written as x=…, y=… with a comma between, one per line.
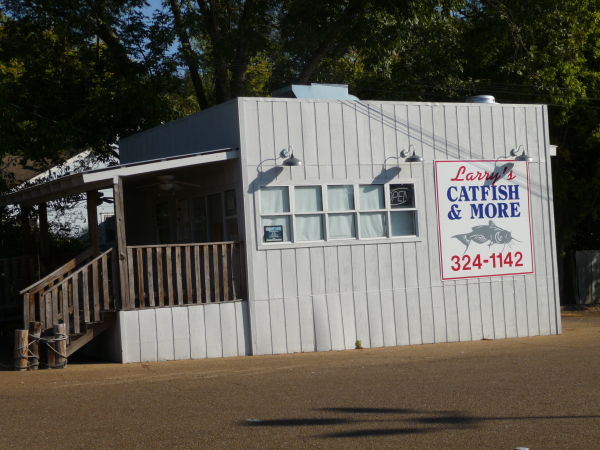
x=183, y=332
x=312, y=298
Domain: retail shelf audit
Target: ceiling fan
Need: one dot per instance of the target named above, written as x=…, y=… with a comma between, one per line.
x=104, y=199
x=167, y=183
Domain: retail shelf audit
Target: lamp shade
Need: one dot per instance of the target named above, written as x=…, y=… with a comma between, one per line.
x=520, y=154
x=414, y=158
x=524, y=157
x=292, y=161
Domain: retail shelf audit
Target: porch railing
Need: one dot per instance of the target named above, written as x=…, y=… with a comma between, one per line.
x=76, y=293
x=185, y=274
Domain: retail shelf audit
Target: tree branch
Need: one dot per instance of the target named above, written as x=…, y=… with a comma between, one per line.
x=241, y=58
x=115, y=47
x=188, y=54
x=345, y=21
x=214, y=33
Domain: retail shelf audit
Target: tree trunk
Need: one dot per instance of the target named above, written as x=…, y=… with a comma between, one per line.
x=241, y=58
x=219, y=63
x=188, y=54
x=330, y=41
x=116, y=48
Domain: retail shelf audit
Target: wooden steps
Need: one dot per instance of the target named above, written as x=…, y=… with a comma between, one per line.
x=93, y=330
x=80, y=294
x=76, y=293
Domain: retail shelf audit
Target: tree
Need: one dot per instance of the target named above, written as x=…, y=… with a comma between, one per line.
x=222, y=41
x=77, y=75
x=549, y=52
x=80, y=73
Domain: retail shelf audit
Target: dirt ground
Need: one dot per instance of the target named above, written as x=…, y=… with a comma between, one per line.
x=539, y=392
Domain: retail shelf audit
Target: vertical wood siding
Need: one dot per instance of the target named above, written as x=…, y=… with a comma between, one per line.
x=327, y=297
x=184, y=332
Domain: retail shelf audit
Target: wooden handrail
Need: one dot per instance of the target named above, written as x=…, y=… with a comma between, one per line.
x=78, y=299
x=78, y=271
x=192, y=244
x=69, y=265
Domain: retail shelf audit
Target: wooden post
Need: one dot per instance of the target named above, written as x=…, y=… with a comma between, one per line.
x=21, y=350
x=92, y=216
x=35, y=331
x=26, y=309
x=114, y=267
x=60, y=346
x=50, y=356
x=44, y=237
x=27, y=243
x=121, y=243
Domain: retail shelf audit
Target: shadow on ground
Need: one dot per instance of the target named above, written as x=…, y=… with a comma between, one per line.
x=363, y=419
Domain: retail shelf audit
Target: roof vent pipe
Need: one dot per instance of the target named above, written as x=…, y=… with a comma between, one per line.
x=481, y=99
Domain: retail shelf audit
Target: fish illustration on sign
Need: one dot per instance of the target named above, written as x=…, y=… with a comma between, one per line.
x=486, y=233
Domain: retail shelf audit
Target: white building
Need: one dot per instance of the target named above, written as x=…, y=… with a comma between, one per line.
x=224, y=248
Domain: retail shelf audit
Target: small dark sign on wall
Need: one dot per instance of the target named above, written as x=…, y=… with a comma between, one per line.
x=402, y=196
x=273, y=233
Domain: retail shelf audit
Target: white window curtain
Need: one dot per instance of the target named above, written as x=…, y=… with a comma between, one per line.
x=403, y=223
x=342, y=226
x=284, y=221
x=274, y=200
x=309, y=227
x=371, y=196
x=340, y=198
x=308, y=199
x=372, y=225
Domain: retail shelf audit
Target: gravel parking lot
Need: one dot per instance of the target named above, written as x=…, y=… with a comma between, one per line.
x=539, y=392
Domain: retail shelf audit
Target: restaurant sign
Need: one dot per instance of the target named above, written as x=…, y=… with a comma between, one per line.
x=484, y=221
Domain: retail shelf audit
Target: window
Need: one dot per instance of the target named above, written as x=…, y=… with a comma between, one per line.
x=309, y=216
x=342, y=220
x=337, y=212
x=199, y=220
x=372, y=223
x=403, y=214
x=163, y=222
x=204, y=218
x=231, y=224
x=274, y=201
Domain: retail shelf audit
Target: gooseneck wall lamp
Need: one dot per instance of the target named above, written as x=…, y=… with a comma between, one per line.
x=520, y=154
x=411, y=158
x=397, y=158
x=290, y=160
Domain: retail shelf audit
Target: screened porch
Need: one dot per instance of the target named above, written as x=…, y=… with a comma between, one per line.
x=177, y=242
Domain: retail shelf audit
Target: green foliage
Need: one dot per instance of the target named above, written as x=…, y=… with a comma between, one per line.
x=549, y=52
x=78, y=74
x=63, y=89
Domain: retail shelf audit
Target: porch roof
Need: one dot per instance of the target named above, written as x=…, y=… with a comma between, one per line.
x=104, y=178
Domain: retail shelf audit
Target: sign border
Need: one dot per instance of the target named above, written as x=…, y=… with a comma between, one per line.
x=437, y=200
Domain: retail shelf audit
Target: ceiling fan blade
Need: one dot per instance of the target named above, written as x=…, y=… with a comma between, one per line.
x=146, y=186
x=185, y=183
x=167, y=178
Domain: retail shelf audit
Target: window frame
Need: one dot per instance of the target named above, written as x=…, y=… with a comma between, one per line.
x=186, y=202
x=325, y=214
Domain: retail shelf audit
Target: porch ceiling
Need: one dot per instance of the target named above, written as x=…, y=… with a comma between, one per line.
x=104, y=178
